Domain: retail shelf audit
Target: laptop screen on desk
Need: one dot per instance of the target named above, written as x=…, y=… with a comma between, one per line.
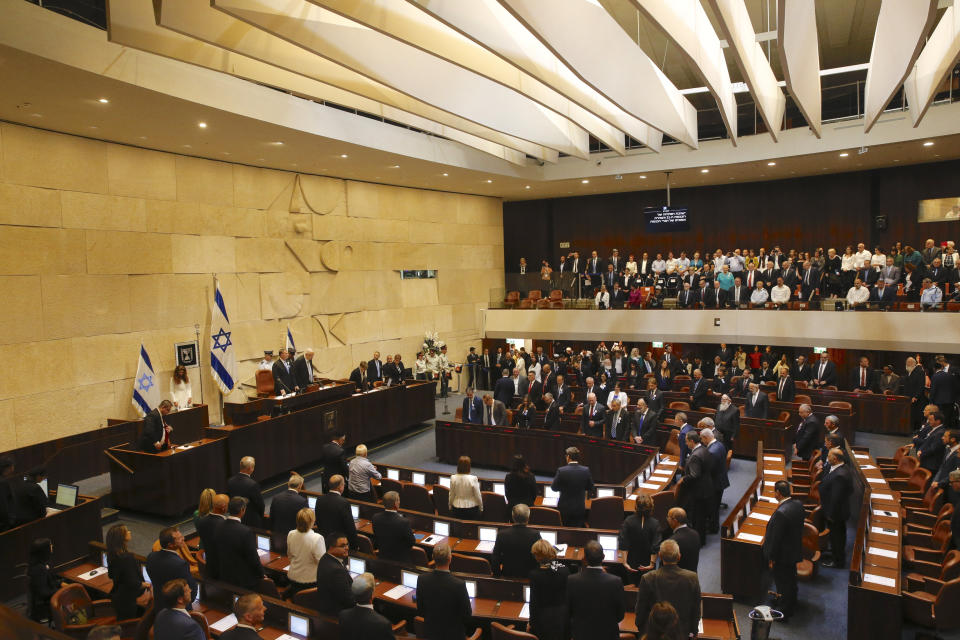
x=312, y=502
x=409, y=579
x=444, y=481
x=357, y=565
x=526, y=593
x=263, y=543
x=298, y=625
x=471, y=588
x=67, y=495
x=355, y=511
x=488, y=534
x=393, y=474
x=43, y=485
x=549, y=536
x=499, y=488
x=442, y=529
x=607, y=542
x=419, y=478
x=550, y=493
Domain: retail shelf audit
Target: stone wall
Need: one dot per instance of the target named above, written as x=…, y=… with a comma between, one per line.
x=104, y=246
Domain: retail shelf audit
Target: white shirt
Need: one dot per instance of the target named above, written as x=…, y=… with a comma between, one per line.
x=181, y=392
x=603, y=297
x=858, y=296
x=420, y=366
x=465, y=491
x=659, y=266
x=622, y=397
x=759, y=296
x=304, y=551
x=265, y=365
x=848, y=263
x=780, y=293
x=878, y=260
x=631, y=267
x=862, y=258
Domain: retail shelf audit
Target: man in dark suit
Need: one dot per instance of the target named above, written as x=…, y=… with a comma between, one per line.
x=824, y=373
x=488, y=368
x=442, y=600
x=686, y=538
x=933, y=448
x=883, y=295
x=360, y=378
x=757, y=403
x=913, y=387
x=511, y=552
x=943, y=393
x=166, y=564
x=573, y=481
x=30, y=499
x=552, y=418
x=249, y=610
x=687, y=298
x=836, y=488
x=494, y=413
x=786, y=389
x=283, y=381
x=698, y=390
x=719, y=478
x=237, y=548
x=593, y=416
x=721, y=383
x=685, y=427
x=472, y=408
x=808, y=433
x=392, y=531
x=172, y=621
x=503, y=390
x=727, y=421
x=334, y=592
x=361, y=622
x=809, y=281
x=951, y=458
x=863, y=378
x=283, y=511
x=670, y=583
x=643, y=424
x=801, y=369
x=783, y=546
x=243, y=485
x=533, y=388
x=333, y=512
x=375, y=368
x=617, y=424
x=594, y=599
x=695, y=491
x=155, y=435
x=737, y=296
x=333, y=457
x=561, y=393
x=207, y=528
x=303, y=371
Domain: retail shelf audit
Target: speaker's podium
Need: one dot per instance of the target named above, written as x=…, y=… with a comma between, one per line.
x=166, y=483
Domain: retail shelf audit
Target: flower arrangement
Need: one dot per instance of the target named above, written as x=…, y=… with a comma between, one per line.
x=432, y=343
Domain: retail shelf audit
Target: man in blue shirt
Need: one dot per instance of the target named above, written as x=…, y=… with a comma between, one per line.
x=930, y=296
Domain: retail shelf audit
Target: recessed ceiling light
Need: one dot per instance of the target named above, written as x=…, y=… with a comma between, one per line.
x=844, y=154
x=584, y=182
x=643, y=177
x=928, y=143
x=704, y=170
x=103, y=101
x=489, y=181
x=771, y=164
x=394, y=166
x=445, y=175
x=527, y=187
x=202, y=125
x=343, y=155
x=277, y=143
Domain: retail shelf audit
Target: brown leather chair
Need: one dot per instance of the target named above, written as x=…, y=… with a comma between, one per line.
x=364, y=544
x=817, y=519
x=416, y=498
x=606, y=513
x=897, y=455
x=680, y=405
x=72, y=598
x=494, y=507
x=511, y=300
x=201, y=620
x=307, y=598
x=663, y=501
x=941, y=614
x=418, y=556
x=458, y=414
x=543, y=303
x=460, y=563
x=441, y=499
x=534, y=294
x=801, y=384
x=784, y=415
x=920, y=551
x=386, y=484
x=556, y=304
x=265, y=384
x=840, y=404
x=545, y=516
x=904, y=469
x=807, y=567
x=914, y=486
x=949, y=570
x=500, y=632
x=673, y=443
x=802, y=399
x=419, y=627
x=921, y=522
x=268, y=588
x=556, y=295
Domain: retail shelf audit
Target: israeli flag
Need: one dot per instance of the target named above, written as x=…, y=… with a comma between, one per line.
x=146, y=390
x=223, y=361
x=290, y=345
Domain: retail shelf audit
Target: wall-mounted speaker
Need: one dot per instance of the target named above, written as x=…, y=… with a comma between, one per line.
x=880, y=222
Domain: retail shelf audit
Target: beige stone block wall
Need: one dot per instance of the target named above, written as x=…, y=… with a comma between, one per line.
x=104, y=247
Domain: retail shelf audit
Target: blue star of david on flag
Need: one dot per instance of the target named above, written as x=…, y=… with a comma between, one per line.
x=222, y=340
x=146, y=393
x=145, y=382
x=223, y=359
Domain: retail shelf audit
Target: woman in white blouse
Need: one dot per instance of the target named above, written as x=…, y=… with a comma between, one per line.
x=603, y=298
x=631, y=266
x=617, y=394
x=305, y=547
x=180, y=390
x=465, y=501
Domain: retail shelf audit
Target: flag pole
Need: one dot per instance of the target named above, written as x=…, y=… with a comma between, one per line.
x=220, y=394
x=196, y=328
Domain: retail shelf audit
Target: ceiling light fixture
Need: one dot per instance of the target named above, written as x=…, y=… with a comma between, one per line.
x=704, y=170
x=771, y=164
x=103, y=101
x=844, y=154
x=527, y=187
x=584, y=182
x=277, y=143
x=928, y=143
x=343, y=155
x=489, y=181
x=394, y=166
x=445, y=175
x=643, y=177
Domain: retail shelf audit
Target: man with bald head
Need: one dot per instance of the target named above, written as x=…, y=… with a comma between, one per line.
x=670, y=583
x=243, y=485
x=207, y=530
x=592, y=419
x=303, y=370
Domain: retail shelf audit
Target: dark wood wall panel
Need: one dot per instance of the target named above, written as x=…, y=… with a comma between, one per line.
x=804, y=213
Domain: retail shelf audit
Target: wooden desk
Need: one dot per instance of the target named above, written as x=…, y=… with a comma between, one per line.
x=241, y=413
x=776, y=435
x=70, y=530
x=166, y=483
x=610, y=462
x=876, y=412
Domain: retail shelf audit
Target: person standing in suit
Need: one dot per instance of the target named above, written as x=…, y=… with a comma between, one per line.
x=237, y=548
x=155, y=435
x=283, y=381
x=685, y=428
x=644, y=424
x=43, y=580
x=207, y=529
x=913, y=387
x=801, y=370
x=548, y=594
x=593, y=417
x=757, y=403
x=951, y=459
x=129, y=591
x=931, y=451
x=362, y=622
x=573, y=481
x=333, y=580
x=511, y=553
x=786, y=389
x=698, y=390
x=488, y=368
x=334, y=514
x=783, y=546
x=392, y=531
x=863, y=378
x=824, y=373
x=250, y=611
x=594, y=599
x=836, y=487
x=494, y=412
x=399, y=368
x=472, y=411
x=686, y=538
x=617, y=424
x=888, y=381
x=882, y=295
x=551, y=419
x=242, y=484
x=727, y=421
x=808, y=433
x=503, y=389
x=333, y=457
x=640, y=537
x=534, y=387
x=375, y=368
x=442, y=600
x=173, y=622
x=360, y=378
x=166, y=565
x=695, y=491
x=284, y=508
x=943, y=393
x=670, y=583
x=303, y=371
x=719, y=476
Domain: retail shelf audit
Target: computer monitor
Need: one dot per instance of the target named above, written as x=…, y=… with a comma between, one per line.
x=393, y=474
x=442, y=529
x=409, y=579
x=103, y=559
x=607, y=542
x=355, y=511
x=357, y=565
x=549, y=536
x=43, y=485
x=312, y=502
x=500, y=488
x=444, y=481
x=604, y=493
x=550, y=493
x=263, y=543
x=66, y=495
x=526, y=593
x=419, y=478
x=488, y=534
x=146, y=576
x=471, y=588
x=297, y=624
